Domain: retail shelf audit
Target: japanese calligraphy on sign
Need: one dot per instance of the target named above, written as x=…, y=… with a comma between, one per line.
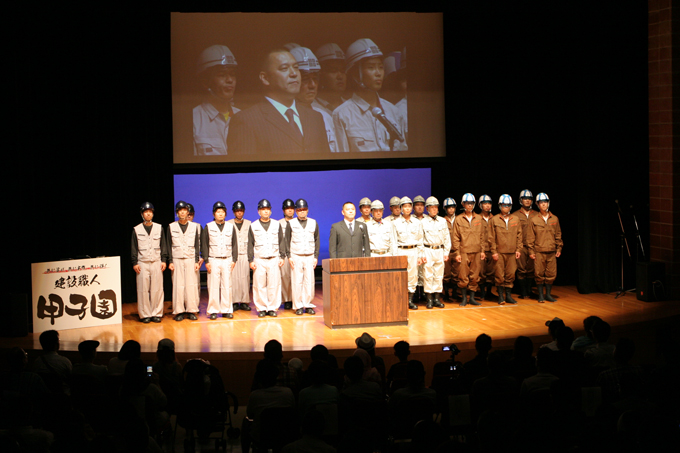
x=75, y=294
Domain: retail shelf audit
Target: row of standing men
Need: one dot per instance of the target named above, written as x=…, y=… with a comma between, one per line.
x=469, y=251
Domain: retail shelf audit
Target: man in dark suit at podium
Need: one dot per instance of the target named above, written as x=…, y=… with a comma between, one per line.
x=278, y=125
x=349, y=238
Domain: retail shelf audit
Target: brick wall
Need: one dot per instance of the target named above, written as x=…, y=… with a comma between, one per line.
x=664, y=138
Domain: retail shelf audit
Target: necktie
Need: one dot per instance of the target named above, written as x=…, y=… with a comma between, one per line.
x=351, y=230
x=294, y=127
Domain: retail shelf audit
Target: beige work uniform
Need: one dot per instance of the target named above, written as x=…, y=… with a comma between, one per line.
x=240, y=276
x=220, y=259
x=381, y=237
x=436, y=245
x=150, y=278
x=184, y=284
x=451, y=266
x=408, y=235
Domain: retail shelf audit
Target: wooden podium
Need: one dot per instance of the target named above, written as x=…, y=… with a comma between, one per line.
x=365, y=291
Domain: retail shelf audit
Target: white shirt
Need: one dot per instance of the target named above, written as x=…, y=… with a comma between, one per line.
x=282, y=110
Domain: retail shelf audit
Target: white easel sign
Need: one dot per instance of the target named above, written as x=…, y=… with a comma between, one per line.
x=76, y=293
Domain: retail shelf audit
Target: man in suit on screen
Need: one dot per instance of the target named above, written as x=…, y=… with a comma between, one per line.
x=349, y=238
x=278, y=125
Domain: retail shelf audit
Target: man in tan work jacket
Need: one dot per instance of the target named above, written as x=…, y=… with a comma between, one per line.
x=505, y=241
x=544, y=241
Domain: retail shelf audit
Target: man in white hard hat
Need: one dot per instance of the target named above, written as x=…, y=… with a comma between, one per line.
x=366, y=122
x=332, y=77
x=544, y=241
x=309, y=70
x=408, y=234
x=437, y=243
x=468, y=249
x=217, y=74
x=365, y=210
x=380, y=233
x=525, y=265
x=278, y=125
x=395, y=209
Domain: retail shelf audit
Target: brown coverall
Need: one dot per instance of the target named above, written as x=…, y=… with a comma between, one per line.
x=505, y=240
x=486, y=274
x=468, y=242
x=544, y=239
x=450, y=266
x=525, y=265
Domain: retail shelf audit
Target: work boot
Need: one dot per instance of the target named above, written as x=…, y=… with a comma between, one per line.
x=411, y=305
x=530, y=285
x=521, y=286
x=482, y=291
x=540, y=293
x=501, y=295
x=508, y=296
x=489, y=294
x=472, y=299
x=548, y=296
x=463, y=293
x=437, y=303
x=445, y=292
x=430, y=301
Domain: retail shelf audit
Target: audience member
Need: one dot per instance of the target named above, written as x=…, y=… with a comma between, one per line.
x=269, y=394
x=523, y=364
x=587, y=340
x=139, y=391
x=497, y=389
x=623, y=379
x=319, y=392
x=129, y=351
x=602, y=354
x=398, y=370
x=169, y=371
x=415, y=375
x=478, y=368
x=273, y=352
x=50, y=362
x=88, y=352
x=544, y=377
x=357, y=388
x=367, y=343
x=370, y=373
x=553, y=325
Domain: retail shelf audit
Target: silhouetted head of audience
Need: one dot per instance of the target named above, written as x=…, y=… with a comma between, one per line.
x=415, y=374
x=402, y=350
x=564, y=338
x=483, y=344
x=367, y=343
x=553, y=326
x=319, y=352
x=266, y=373
x=49, y=340
x=17, y=359
x=273, y=351
x=588, y=324
x=166, y=351
x=354, y=368
x=88, y=350
x=318, y=372
x=524, y=348
x=130, y=350
x=601, y=331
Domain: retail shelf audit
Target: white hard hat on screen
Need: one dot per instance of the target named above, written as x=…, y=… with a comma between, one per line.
x=357, y=51
x=306, y=60
x=216, y=55
x=330, y=51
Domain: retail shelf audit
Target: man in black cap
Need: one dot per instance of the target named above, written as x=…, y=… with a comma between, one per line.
x=88, y=352
x=553, y=326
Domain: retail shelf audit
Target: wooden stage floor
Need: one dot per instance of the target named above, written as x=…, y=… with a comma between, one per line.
x=427, y=330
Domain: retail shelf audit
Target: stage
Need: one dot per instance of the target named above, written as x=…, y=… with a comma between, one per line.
x=247, y=333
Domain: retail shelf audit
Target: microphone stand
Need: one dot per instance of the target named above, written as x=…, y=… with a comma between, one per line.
x=621, y=291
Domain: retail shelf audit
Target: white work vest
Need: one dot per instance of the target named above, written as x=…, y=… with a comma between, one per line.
x=241, y=235
x=183, y=243
x=302, y=239
x=220, y=241
x=266, y=241
x=148, y=245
